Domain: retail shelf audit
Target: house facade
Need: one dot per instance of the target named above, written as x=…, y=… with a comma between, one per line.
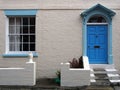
x=57, y=31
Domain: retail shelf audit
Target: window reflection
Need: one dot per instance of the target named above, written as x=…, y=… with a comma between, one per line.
x=97, y=19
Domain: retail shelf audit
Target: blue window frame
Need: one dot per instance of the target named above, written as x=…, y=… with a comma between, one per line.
x=20, y=34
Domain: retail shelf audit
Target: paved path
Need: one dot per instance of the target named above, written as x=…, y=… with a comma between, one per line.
x=116, y=87
x=99, y=88
x=49, y=84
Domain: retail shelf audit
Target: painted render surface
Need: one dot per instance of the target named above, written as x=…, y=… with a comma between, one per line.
x=19, y=76
x=58, y=32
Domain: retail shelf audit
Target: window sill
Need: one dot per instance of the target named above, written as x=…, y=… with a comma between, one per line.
x=19, y=55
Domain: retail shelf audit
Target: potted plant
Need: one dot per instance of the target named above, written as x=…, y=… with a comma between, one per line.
x=57, y=79
x=76, y=63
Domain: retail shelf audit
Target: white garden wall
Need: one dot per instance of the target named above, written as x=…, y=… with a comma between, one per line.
x=75, y=77
x=19, y=76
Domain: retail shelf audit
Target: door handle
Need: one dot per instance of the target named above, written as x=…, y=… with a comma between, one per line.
x=96, y=46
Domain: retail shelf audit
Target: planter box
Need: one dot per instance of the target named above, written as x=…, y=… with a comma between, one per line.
x=75, y=76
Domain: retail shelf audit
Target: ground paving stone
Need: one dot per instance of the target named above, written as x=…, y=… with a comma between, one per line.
x=49, y=84
x=116, y=87
x=99, y=88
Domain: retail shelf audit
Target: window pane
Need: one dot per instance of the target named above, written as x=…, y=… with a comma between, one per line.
x=25, y=29
x=32, y=21
x=25, y=21
x=21, y=38
x=25, y=47
x=12, y=29
x=32, y=47
x=21, y=45
x=96, y=19
x=21, y=29
x=32, y=38
x=25, y=38
x=17, y=46
x=18, y=38
x=12, y=38
x=18, y=21
x=11, y=21
x=32, y=29
x=18, y=29
x=12, y=46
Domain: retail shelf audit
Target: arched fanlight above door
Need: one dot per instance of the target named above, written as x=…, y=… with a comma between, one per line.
x=97, y=19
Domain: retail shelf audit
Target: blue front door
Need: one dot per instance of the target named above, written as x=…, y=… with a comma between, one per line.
x=97, y=44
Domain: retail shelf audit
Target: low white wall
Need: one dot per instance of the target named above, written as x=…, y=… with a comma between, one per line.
x=75, y=77
x=19, y=76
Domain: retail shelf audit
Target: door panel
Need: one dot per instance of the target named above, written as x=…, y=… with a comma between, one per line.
x=97, y=44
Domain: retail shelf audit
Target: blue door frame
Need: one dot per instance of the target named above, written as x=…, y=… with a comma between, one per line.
x=107, y=14
x=97, y=39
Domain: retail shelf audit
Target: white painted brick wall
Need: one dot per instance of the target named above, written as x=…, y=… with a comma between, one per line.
x=58, y=32
x=19, y=76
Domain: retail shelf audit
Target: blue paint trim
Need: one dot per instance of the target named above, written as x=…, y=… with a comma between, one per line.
x=110, y=55
x=84, y=40
x=20, y=12
x=19, y=55
x=107, y=14
x=99, y=7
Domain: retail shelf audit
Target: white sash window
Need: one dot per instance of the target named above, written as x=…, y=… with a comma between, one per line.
x=21, y=33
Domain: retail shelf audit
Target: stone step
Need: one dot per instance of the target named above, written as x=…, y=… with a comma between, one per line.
x=103, y=82
x=98, y=71
x=100, y=76
x=92, y=80
x=115, y=81
x=108, y=76
x=113, y=76
x=108, y=71
x=92, y=76
x=104, y=72
x=102, y=66
x=112, y=71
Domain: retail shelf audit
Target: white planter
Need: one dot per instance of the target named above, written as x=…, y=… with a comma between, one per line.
x=75, y=77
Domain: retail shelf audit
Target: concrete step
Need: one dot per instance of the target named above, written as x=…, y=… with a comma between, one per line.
x=107, y=76
x=99, y=88
x=92, y=76
x=115, y=81
x=111, y=71
x=107, y=66
x=104, y=72
x=92, y=80
x=100, y=76
x=103, y=82
x=113, y=76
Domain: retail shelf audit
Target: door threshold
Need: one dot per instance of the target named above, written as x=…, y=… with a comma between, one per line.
x=105, y=66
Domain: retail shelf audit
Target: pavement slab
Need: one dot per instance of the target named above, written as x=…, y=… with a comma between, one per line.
x=116, y=87
x=99, y=88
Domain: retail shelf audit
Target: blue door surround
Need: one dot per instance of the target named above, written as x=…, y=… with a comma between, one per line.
x=97, y=44
x=107, y=14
